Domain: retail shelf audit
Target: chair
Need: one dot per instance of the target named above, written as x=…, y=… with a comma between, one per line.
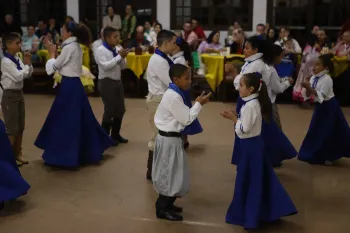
x=228, y=80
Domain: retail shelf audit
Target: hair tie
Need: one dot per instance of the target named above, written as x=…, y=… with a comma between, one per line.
x=71, y=25
x=179, y=41
x=260, y=81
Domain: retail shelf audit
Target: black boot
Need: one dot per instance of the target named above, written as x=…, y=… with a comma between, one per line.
x=163, y=211
x=149, y=165
x=117, y=123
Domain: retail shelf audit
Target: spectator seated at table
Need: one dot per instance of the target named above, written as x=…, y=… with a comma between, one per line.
x=189, y=36
x=42, y=29
x=138, y=40
x=238, y=41
x=198, y=30
x=30, y=43
x=212, y=44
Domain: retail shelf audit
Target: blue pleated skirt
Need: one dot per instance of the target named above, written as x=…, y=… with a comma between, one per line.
x=195, y=127
x=277, y=146
x=71, y=135
x=328, y=137
x=258, y=194
x=12, y=184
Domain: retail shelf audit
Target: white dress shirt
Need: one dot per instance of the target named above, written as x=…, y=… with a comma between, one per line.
x=116, y=22
x=253, y=64
x=12, y=78
x=275, y=85
x=158, y=75
x=250, y=120
x=153, y=36
x=70, y=62
x=109, y=66
x=173, y=115
x=296, y=45
x=323, y=87
x=96, y=44
x=179, y=58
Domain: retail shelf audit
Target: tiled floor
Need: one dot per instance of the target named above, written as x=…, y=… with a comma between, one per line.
x=115, y=196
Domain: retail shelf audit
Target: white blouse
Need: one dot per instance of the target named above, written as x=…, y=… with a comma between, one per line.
x=250, y=120
x=173, y=115
x=116, y=22
x=275, y=85
x=70, y=62
x=253, y=64
x=323, y=84
x=179, y=58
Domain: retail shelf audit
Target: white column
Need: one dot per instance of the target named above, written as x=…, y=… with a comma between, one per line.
x=163, y=13
x=259, y=12
x=73, y=9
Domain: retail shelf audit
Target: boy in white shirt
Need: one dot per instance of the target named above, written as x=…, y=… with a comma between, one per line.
x=14, y=71
x=170, y=173
x=110, y=64
x=158, y=81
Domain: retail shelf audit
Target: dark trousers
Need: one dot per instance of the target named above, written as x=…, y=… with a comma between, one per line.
x=164, y=203
x=112, y=93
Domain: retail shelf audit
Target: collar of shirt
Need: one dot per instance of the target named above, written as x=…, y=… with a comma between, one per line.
x=179, y=54
x=254, y=57
x=69, y=40
x=252, y=96
x=321, y=74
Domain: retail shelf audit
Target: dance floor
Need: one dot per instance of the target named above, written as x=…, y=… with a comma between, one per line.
x=114, y=196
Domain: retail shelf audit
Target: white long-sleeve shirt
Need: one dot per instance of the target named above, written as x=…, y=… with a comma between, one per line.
x=250, y=120
x=12, y=78
x=323, y=84
x=274, y=85
x=116, y=22
x=109, y=66
x=158, y=75
x=173, y=115
x=179, y=58
x=69, y=63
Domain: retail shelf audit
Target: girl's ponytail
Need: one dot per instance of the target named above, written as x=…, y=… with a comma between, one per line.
x=265, y=102
x=81, y=32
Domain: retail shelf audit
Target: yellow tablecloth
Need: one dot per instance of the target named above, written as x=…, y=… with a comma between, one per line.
x=341, y=64
x=215, y=67
x=138, y=63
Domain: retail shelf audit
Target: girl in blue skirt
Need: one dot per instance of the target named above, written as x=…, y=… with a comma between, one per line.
x=258, y=195
x=71, y=135
x=328, y=137
x=259, y=54
x=12, y=184
x=182, y=55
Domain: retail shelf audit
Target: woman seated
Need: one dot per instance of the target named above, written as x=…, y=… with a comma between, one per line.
x=212, y=44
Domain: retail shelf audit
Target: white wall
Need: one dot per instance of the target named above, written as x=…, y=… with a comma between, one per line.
x=163, y=15
x=73, y=9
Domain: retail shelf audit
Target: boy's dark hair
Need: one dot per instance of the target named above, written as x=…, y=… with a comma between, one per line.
x=326, y=60
x=164, y=35
x=177, y=70
x=81, y=32
x=260, y=25
x=8, y=38
x=255, y=80
x=108, y=31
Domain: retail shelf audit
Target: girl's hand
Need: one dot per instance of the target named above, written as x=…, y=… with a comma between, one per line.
x=305, y=85
x=51, y=48
x=229, y=114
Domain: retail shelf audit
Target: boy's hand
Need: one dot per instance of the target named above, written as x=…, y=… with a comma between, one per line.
x=203, y=99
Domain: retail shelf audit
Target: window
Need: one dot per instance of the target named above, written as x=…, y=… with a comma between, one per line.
x=212, y=14
x=300, y=14
x=24, y=11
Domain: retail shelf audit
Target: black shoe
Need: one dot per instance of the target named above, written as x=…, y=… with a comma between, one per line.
x=120, y=139
x=176, y=209
x=167, y=215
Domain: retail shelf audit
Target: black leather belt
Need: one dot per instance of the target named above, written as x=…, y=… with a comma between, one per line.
x=169, y=134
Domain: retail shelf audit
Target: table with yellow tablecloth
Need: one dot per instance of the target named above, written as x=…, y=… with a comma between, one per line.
x=215, y=68
x=138, y=63
x=341, y=64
